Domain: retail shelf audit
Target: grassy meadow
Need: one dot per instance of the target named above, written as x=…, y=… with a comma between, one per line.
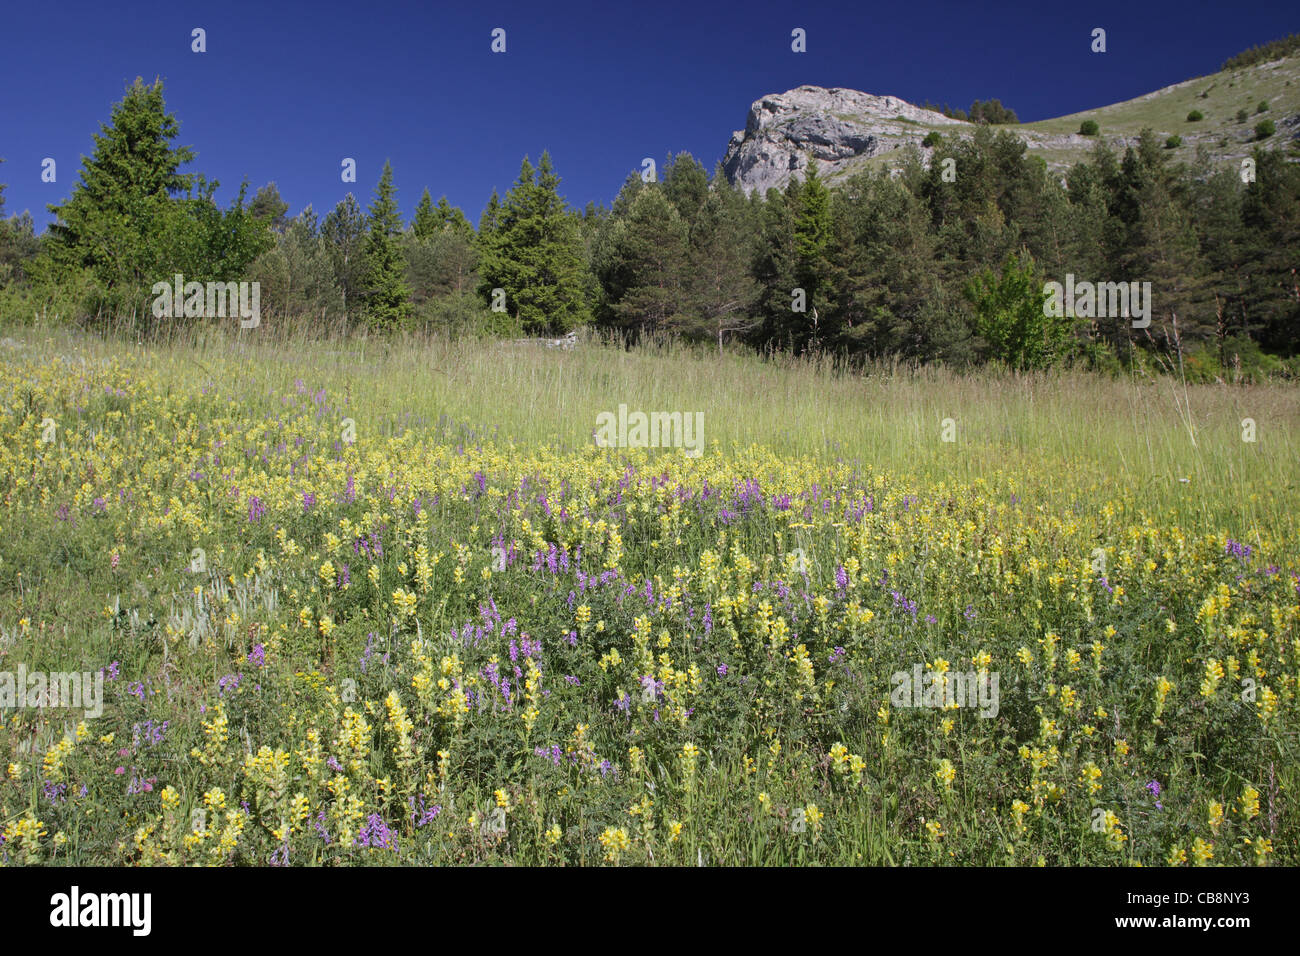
x=384, y=602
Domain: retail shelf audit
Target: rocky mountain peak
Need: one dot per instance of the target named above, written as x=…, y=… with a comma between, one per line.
x=834, y=126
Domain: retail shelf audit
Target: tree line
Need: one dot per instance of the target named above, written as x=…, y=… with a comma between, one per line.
x=942, y=260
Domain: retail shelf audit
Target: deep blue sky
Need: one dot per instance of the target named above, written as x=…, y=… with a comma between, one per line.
x=286, y=90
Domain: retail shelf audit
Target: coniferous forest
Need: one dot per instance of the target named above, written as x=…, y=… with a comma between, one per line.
x=899, y=264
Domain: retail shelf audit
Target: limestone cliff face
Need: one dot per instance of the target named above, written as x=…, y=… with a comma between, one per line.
x=845, y=129
x=835, y=127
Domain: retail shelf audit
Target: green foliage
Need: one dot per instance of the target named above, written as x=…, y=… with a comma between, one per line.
x=344, y=234
x=462, y=314
x=640, y=260
x=1265, y=128
x=981, y=111
x=1089, y=128
x=386, y=295
x=1262, y=107
x=297, y=275
x=267, y=205
x=18, y=244
x=884, y=264
x=129, y=226
x=531, y=248
x=444, y=261
x=1242, y=116
x=1273, y=50
x=1195, y=116
x=430, y=219
x=1009, y=316
x=991, y=112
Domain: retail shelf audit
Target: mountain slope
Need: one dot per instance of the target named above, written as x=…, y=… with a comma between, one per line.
x=846, y=130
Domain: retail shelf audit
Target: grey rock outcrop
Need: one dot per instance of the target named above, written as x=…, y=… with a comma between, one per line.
x=836, y=127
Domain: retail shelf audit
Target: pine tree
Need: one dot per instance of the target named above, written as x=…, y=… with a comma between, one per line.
x=110, y=224
x=884, y=266
x=1270, y=224
x=721, y=290
x=532, y=249
x=297, y=276
x=1160, y=245
x=426, y=222
x=128, y=224
x=387, y=297
x=267, y=205
x=443, y=251
x=774, y=269
x=640, y=261
x=344, y=232
x=686, y=186
x=812, y=266
x=490, y=221
x=450, y=217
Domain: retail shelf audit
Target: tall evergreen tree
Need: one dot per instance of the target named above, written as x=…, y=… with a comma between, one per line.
x=387, y=297
x=884, y=270
x=533, y=252
x=127, y=222
x=1160, y=245
x=686, y=186
x=297, y=276
x=268, y=206
x=640, y=261
x=344, y=232
x=721, y=289
x=774, y=270
x=812, y=250
x=426, y=222
x=1270, y=222
x=450, y=217
x=110, y=224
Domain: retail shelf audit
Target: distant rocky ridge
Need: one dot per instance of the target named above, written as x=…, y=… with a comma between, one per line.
x=835, y=127
x=844, y=129
x=839, y=128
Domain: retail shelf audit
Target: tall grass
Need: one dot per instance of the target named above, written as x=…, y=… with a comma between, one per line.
x=1171, y=446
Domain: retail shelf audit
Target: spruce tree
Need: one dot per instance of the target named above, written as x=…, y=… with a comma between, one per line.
x=532, y=249
x=268, y=206
x=641, y=263
x=344, y=233
x=450, y=217
x=110, y=224
x=387, y=297
x=812, y=247
x=426, y=222
x=721, y=290
x=774, y=270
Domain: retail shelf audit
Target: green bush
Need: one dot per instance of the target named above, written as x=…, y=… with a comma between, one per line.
x=1173, y=142
x=1265, y=129
x=1242, y=115
x=1195, y=116
x=1089, y=128
x=463, y=314
x=1242, y=362
x=1262, y=107
x=1010, y=315
x=932, y=139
